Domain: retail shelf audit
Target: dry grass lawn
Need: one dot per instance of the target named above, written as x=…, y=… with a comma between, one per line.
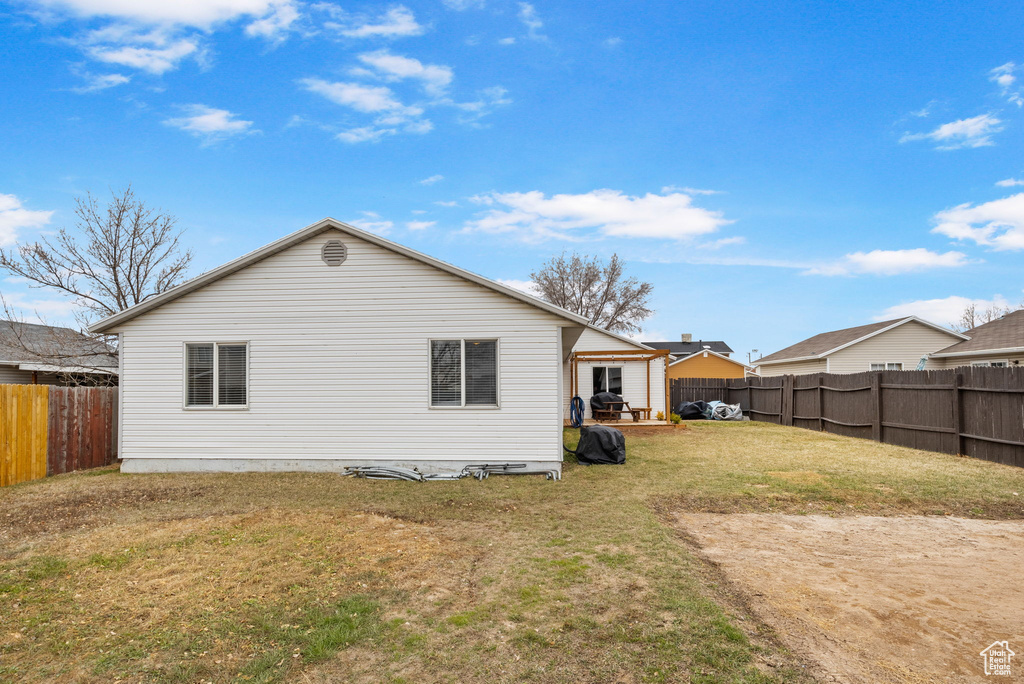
x=316, y=578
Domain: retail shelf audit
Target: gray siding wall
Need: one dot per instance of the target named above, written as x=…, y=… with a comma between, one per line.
x=796, y=368
x=339, y=365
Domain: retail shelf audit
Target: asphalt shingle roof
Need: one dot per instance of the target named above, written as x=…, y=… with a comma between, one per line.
x=44, y=344
x=687, y=348
x=1003, y=333
x=819, y=344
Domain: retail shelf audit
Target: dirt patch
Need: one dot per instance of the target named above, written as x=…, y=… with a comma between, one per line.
x=871, y=599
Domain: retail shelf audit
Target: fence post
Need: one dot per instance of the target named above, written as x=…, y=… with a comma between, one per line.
x=876, y=398
x=958, y=412
x=821, y=405
x=787, y=400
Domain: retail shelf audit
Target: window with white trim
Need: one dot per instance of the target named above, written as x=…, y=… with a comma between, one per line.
x=993, y=364
x=887, y=366
x=608, y=379
x=216, y=375
x=463, y=373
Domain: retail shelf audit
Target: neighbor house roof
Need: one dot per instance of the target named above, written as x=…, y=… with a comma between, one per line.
x=302, y=235
x=687, y=348
x=1003, y=335
x=820, y=346
x=714, y=353
x=32, y=346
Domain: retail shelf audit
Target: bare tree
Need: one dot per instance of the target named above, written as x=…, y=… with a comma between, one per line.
x=972, y=316
x=596, y=289
x=118, y=255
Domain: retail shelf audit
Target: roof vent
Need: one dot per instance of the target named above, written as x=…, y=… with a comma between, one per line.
x=334, y=252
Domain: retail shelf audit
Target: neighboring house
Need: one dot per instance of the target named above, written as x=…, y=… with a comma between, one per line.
x=33, y=354
x=898, y=344
x=686, y=346
x=707, y=364
x=997, y=343
x=333, y=347
x=626, y=377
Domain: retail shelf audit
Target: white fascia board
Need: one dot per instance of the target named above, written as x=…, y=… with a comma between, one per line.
x=301, y=235
x=795, y=359
x=726, y=358
x=979, y=352
x=47, y=368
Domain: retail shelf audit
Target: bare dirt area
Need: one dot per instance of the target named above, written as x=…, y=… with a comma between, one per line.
x=876, y=599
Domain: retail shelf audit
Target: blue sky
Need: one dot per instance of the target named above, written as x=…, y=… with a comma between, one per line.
x=775, y=169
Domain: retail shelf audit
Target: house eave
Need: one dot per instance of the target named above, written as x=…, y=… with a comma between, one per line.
x=979, y=352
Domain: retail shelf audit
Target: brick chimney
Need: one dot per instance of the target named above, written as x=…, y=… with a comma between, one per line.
x=687, y=337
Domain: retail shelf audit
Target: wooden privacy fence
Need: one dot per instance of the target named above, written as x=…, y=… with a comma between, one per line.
x=974, y=411
x=51, y=430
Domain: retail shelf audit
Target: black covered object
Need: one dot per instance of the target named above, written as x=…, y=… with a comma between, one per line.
x=692, y=410
x=601, y=444
x=599, y=402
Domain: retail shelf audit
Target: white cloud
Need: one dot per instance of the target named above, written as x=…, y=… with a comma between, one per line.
x=437, y=178
x=1004, y=77
x=210, y=124
x=397, y=22
x=420, y=225
x=1009, y=182
x=532, y=216
x=507, y=41
x=890, y=262
x=998, y=224
x=364, y=134
x=446, y=204
x=690, y=191
x=527, y=286
x=277, y=22
x=362, y=98
x=614, y=41
x=946, y=311
x=974, y=132
x=97, y=82
x=155, y=60
x=374, y=223
x=487, y=101
x=197, y=13
x=533, y=23
x=462, y=5
x=14, y=217
x=435, y=78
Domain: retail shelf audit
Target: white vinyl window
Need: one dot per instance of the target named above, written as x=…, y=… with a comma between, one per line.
x=216, y=375
x=993, y=364
x=464, y=373
x=891, y=365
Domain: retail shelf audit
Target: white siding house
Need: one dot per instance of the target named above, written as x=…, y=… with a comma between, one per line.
x=633, y=372
x=386, y=357
x=899, y=344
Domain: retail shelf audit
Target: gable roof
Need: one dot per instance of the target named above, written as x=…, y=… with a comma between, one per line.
x=1004, y=334
x=821, y=345
x=687, y=348
x=714, y=353
x=304, y=234
x=47, y=347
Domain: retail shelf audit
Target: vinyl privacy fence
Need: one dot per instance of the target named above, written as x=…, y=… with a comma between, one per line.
x=976, y=412
x=51, y=430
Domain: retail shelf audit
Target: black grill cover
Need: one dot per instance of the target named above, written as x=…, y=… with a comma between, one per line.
x=599, y=401
x=601, y=444
x=692, y=410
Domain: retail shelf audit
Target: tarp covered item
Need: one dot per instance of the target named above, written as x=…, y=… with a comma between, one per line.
x=693, y=410
x=601, y=444
x=722, y=411
x=599, y=402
